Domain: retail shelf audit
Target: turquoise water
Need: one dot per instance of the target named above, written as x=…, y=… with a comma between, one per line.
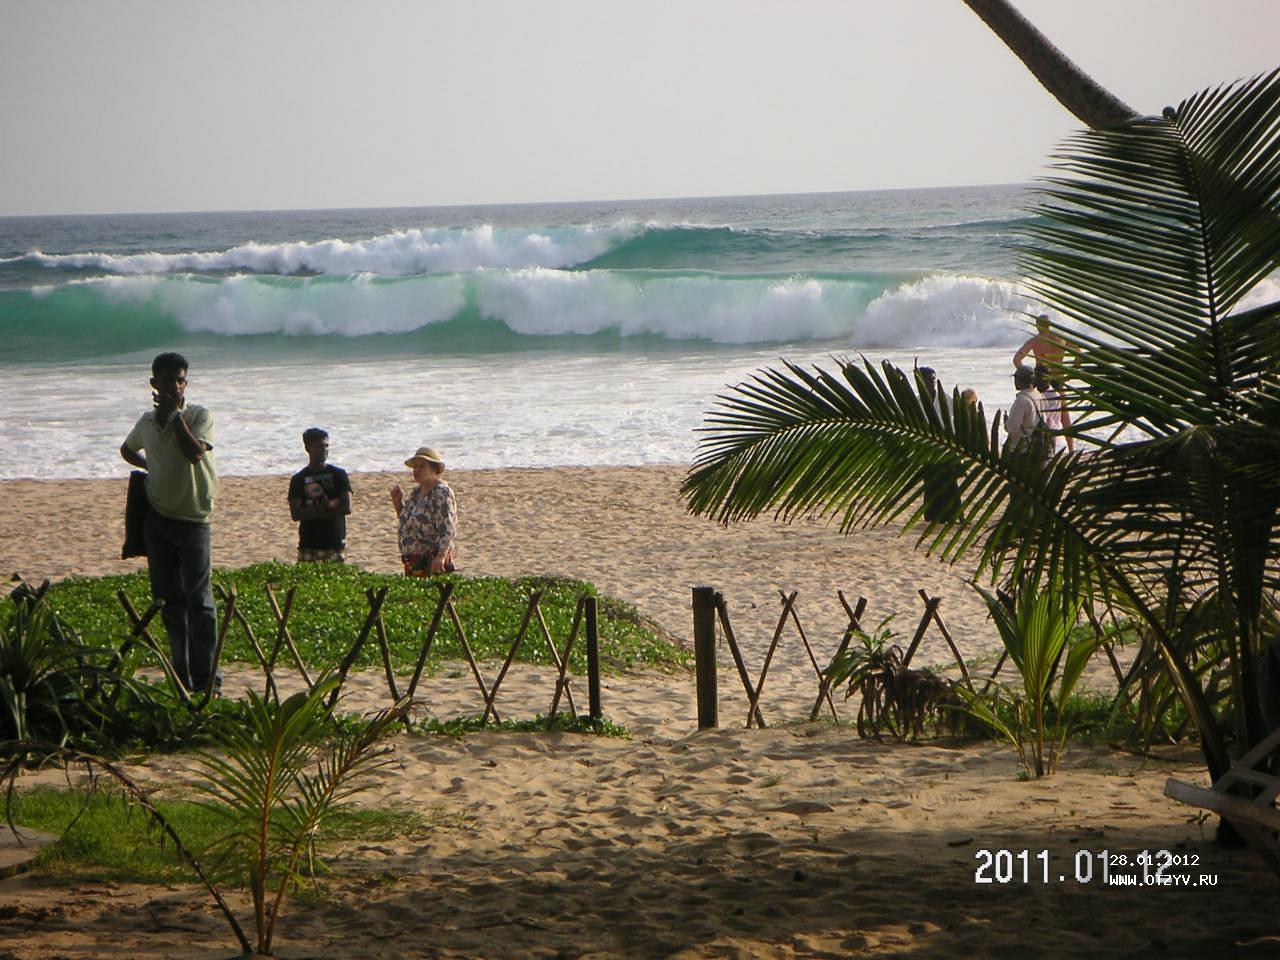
x=511, y=335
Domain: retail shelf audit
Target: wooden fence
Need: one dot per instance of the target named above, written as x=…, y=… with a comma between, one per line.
x=275, y=655
x=710, y=611
x=710, y=620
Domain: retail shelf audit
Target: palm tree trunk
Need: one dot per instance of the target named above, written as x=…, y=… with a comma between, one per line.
x=1072, y=87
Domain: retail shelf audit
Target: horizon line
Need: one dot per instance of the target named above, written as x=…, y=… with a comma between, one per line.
x=499, y=203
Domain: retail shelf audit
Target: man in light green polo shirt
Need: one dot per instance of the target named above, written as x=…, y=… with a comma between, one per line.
x=182, y=482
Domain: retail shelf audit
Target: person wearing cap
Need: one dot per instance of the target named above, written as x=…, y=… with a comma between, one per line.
x=320, y=500
x=1047, y=346
x=929, y=376
x=941, y=487
x=1026, y=412
x=428, y=517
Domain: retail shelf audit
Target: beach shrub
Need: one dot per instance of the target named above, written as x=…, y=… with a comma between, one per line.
x=40, y=671
x=57, y=688
x=1148, y=698
x=1037, y=633
x=331, y=603
x=1147, y=247
x=892, y=696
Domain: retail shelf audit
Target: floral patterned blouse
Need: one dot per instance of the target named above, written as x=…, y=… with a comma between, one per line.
x=428, y=522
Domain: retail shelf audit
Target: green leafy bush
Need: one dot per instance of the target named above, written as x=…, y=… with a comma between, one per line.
x=893, y=696
x=56, y=687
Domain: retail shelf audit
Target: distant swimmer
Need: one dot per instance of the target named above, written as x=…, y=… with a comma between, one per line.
x=1048, y=347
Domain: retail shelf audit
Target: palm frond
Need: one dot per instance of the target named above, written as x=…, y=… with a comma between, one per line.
x=1153, y=233
x=1147, y=240
x=853, y=444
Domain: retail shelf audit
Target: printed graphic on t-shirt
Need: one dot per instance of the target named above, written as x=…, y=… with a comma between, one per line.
x=316, y=488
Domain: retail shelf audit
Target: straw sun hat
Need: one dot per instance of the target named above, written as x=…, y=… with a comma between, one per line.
x=427, y=454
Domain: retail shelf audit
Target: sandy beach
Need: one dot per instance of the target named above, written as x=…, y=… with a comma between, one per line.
x=623, y=528
x=799, y=840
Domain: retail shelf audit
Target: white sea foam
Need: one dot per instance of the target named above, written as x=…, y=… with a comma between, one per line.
x=740, y=310
x=402, y=253
x=247, y=305
x=947, y=311
x=1266, y=291
x=541, y=408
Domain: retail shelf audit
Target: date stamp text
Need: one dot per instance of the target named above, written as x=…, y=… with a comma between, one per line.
x=1144, y=868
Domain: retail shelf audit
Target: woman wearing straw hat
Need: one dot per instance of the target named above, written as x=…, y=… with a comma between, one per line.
x=428, y=517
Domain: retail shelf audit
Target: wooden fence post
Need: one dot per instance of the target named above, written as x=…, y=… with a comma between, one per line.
x=593, y=659
x=704, y=653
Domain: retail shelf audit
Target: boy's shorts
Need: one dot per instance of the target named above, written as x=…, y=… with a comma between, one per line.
x=317, y=555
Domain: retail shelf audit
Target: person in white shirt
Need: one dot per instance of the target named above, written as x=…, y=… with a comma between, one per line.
x=1026, y=412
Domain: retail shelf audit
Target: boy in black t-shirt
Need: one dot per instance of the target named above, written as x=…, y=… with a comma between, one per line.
x=320, y=499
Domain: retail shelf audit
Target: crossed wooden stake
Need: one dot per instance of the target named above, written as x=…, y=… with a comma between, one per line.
x=373, y=625
x=489, y=693
x=855, y=626
x=139, y=631
x=755, y=716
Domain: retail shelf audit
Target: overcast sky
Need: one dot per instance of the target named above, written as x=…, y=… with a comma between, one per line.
x=151, y=105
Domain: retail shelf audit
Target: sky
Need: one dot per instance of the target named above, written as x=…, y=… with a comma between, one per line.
x=176, y=105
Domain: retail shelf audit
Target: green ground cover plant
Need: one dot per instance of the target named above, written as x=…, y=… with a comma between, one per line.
x=105, y=839
x=1117, y=721
x=64, y=681
x=330, y=606
x=562, y=722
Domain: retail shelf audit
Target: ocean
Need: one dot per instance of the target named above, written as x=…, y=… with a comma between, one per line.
x=513, y=335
